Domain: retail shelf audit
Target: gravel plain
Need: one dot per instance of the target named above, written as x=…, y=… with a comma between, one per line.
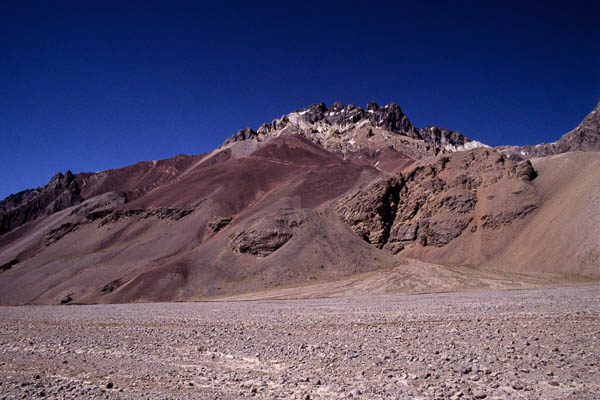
x=521, y=344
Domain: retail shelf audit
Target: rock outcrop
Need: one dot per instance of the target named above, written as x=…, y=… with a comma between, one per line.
x=61, y=192
x=266, y=234
x=216, y=223
x=433, y=204
x=8, y=265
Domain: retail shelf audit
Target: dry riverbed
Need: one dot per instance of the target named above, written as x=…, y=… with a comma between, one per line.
x=524, y=344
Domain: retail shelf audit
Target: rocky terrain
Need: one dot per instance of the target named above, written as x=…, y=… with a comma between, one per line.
x=61, y=192
x=319, y=195
x=526, y=344
x=435, y=203
x=355, y=133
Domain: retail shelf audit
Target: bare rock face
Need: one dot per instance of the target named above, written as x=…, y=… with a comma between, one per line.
x=58, y=233
x=242, y=134
x=443, y=137
x=585, y=137
x=8, y=265
x=106, y=209
x=433, y=204
x=265, y=235
x=217, y=223
x=371, y=211
x=347, y=130
x=112, y=286
x=174, y=214
x=61, y=192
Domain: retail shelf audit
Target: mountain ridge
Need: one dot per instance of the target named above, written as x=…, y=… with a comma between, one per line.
x=382, y=137
x=342, y=129
x=276, y=208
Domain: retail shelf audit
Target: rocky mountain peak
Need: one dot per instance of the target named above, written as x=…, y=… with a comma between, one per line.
x=372, y=106
x=389, y=117
x=62, y=182
x=349, y=129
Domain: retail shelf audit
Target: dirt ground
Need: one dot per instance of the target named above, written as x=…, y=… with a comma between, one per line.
x=518, y=344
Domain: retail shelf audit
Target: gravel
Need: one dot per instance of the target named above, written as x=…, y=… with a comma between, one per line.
x=526, y=344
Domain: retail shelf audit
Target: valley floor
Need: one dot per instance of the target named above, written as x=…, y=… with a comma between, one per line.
x=518, y=344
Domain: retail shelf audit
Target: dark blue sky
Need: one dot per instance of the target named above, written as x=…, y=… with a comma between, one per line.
x=89, y=86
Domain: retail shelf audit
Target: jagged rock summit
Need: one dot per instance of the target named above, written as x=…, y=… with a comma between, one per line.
x=353, y=132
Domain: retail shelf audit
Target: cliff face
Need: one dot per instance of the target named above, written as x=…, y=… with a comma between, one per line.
x=431, y=205
x=61, y=192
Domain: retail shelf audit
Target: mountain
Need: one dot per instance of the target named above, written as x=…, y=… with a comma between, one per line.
x=318, y=195
x=481, y=208
x=242, y=224
x=377, y=134
x=584, y=137
x=61, y=192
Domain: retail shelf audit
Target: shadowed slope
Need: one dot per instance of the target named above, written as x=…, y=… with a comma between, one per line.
x=61, y=192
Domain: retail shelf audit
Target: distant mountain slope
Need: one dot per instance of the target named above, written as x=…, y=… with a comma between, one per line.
x=485, y=207
x=66, y=190
x=61, y=192
x=137, y=179
x=585, y=137
x=242, y=224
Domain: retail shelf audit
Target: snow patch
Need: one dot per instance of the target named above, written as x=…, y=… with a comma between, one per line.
x=370, y=111
x=475, y=144
x=302, y=112
x=352, y=141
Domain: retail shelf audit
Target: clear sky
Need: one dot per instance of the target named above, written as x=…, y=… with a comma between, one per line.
x=93, y=85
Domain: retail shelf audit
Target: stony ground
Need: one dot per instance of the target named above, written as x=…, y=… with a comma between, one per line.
x=526, y=344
